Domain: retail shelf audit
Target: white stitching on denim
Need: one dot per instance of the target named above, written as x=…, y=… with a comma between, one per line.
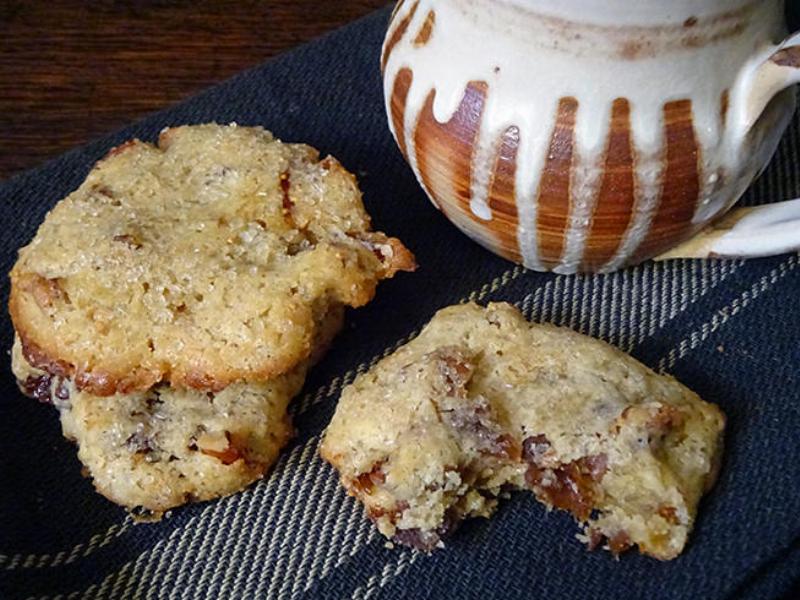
x=390, y=571
x=498, y=282
x=300, y=549
x=699, y=335
x=266, y=530
x=281, y=492
x=334, y=502
x=198, y=526
x=82, y=550
x=348, y=506
x=278, y=551
x=198, y=533
x=226, y=523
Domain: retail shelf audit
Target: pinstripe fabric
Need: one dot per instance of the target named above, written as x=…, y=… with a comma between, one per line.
x=725, y=328
x=64, y=557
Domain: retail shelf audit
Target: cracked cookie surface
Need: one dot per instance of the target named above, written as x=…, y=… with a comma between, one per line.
x=207, y=260
x=483, y=401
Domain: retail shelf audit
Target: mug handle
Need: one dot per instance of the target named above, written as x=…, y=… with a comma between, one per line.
x=750, y=232
x=746, y=232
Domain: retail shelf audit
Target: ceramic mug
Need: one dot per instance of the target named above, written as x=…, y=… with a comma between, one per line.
x=588, y=135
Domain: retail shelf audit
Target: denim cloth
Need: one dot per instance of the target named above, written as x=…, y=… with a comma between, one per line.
x=727, y=329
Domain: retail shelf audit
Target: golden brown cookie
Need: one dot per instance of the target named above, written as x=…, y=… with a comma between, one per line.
x=163, y=447
x=207, y=260
x=483, y=401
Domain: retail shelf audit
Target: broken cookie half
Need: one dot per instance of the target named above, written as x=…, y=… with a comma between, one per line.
x=483, y=402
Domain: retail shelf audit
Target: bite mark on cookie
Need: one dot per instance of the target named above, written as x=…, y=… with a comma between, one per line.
x=483, y=402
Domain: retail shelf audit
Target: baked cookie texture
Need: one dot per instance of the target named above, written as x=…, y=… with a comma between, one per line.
x=163, y=447
x=482, y=401
x=170, y=307
x=207, y=260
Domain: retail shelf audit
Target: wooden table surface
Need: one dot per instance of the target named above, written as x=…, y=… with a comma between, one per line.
x=71, y=71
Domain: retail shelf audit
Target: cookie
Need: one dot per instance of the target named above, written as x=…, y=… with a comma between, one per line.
x=483, y=402
x=207, y=260
x=158, y=449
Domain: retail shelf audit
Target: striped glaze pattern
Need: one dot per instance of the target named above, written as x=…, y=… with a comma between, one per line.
x=567, y=177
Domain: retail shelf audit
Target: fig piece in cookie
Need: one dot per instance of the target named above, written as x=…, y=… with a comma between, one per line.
x=483, y=401
x=207, y=260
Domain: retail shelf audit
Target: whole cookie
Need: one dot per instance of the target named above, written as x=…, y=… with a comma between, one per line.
x=163, y=447
x=483, y=402
x=207, y=260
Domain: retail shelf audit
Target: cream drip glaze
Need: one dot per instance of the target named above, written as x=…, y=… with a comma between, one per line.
x=530, y=61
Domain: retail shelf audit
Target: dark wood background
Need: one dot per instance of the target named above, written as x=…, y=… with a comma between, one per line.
x=72, y=70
